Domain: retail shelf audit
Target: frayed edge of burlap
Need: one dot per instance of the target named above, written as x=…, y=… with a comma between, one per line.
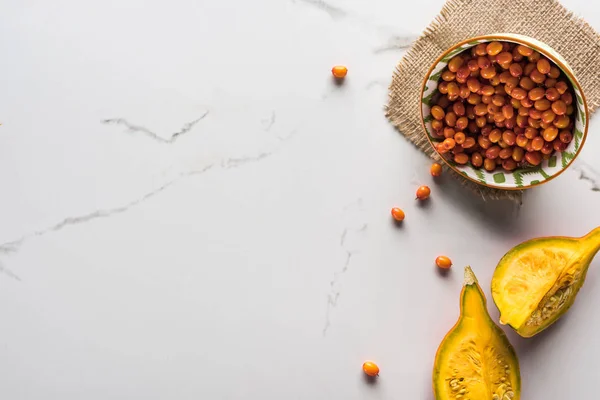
x=415, y=133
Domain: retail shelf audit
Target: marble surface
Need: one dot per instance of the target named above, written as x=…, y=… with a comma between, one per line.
x=191, y=209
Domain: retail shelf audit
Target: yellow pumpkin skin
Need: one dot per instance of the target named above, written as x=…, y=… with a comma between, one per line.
x=536, y=282
x=475, y=360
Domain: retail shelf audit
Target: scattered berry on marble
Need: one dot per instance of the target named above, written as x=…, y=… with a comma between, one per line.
x=398, y=214
x=370, y=368
x=436, y=169
x=339, y=71
x=423, y=192
x=443, y=262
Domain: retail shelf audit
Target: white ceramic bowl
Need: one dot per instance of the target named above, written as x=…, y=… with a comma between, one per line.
x=520, y=178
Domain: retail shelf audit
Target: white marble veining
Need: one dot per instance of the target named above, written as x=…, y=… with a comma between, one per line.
x=192, y=208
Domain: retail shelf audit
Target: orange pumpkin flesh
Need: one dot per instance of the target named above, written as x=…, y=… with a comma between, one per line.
x=475, y=360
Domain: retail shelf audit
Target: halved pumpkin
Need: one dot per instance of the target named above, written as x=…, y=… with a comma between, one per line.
x=475, y=361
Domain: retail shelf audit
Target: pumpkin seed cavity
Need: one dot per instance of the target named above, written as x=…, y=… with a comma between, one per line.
x=479, y=374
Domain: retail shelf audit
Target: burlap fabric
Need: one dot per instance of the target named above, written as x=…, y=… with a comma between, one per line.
x=545, y=20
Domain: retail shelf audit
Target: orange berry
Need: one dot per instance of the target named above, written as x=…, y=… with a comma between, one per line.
x=436, y=169
x=398, y=214
x=339, y=71
x=370, y=368
x=423, y=192
x=443, y=262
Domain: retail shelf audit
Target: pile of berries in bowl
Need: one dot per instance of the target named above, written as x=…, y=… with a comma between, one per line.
x=504, y=111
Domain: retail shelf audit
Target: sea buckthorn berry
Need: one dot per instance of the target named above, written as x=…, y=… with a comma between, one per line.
x=487, y=90
x=518, y=154
x=488, y=73
x=536, y=94
x=459, y=109
x=450, y=119
x=518, y=93
x=570, y=109
x=567, y=98
x=448, y=76
x=371, y=369
x=469, y=143
x=534, y=123
x=537, y=76
x=537, y=143
x=483, y=142
x=508, y=111
x=550, y=82
x=542, y=105
x=495, y=135
x=543, y=65
x=489, y=165
x=498, y=100
x=554, y=72
x=509, y=137
x=524, y=50
x=473, y=84
x=459, y=138
x=562, y=122
x=565, y=137
x=493, y=48
x=436, y=169
x=515, y=70
x=483, y=62
x=548, y=116
x=455, y=63
x=476, y=159
x=534, y=57
x=526, y=102
x=535, y=114
x=517, y=57
x=548, y=148
x=533, y=157
x=437, y=112
x=493, y=152
x=526, y=83
x=443, y=262
x=561, y=86
x=423, y=192
x=558, y=145
x=443, y=87
x=461, y=158
x=529, y=67
x=552, y=94
x=398, y=214
x=522, y=141
x=462, y=123
x=472, y=65
x=509, y=164
x=481, y=49
x=449, y=143
x=504, y=58
x=505, y=153
x=474, y=99
x=339, y=71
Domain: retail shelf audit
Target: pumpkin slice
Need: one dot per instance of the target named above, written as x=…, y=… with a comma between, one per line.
x=475, y=361
x=537, y=281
